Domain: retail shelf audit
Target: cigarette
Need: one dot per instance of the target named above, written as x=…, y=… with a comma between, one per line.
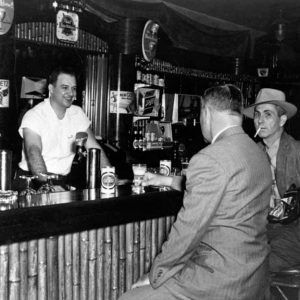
x=257, y=132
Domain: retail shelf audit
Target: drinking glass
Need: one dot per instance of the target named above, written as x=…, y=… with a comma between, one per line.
x=139, y=171
x=28, y=190
x=8, y=199
x=48, y=186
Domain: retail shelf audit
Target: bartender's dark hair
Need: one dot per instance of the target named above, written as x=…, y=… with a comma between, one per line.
x=226, y=97
x=61, y=70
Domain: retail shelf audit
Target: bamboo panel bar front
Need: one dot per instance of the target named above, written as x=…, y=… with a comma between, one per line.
x=23, y=270
x=100, y=264
x=68, y=266
x=76, y=266
x=96, y=264
x=14, y=272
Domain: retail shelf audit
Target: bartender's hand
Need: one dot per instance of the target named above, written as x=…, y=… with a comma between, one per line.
x=144, y=280
x=156, y=180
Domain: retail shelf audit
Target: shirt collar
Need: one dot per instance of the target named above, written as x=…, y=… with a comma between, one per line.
x=221, y=131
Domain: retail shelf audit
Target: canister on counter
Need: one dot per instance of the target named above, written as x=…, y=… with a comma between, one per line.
x=165, y=167
x=5, y=169
x=108, y=180
x=93, y=168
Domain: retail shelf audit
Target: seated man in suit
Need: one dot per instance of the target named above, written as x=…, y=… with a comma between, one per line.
x=217, y=248
x=270, y=113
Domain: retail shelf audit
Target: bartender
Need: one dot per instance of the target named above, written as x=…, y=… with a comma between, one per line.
x=49, y=131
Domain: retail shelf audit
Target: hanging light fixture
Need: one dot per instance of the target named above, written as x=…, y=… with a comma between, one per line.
x=279, y=27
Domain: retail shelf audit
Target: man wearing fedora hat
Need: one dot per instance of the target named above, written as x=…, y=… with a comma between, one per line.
x=270, y=113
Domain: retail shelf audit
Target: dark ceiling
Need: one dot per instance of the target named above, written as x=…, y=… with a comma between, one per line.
x=248, y=20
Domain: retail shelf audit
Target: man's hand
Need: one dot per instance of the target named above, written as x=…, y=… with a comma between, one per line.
x=156, y=180
x=144, y=280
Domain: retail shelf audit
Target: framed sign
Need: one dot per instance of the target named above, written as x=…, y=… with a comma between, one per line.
x=67, y=26
x=120, y=102
x=6, y=15
x=4, y=93
x=150, y=40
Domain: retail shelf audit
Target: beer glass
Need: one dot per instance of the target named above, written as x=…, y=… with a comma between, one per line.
x=139, y=171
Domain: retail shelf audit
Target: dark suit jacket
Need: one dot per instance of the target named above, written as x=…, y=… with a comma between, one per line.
x=285, y=239
x=287, y=163
x=217, y=248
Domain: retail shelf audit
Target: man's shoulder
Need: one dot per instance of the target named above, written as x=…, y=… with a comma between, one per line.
x=288, y=141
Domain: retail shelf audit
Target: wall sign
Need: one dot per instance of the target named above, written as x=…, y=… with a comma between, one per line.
x=120, y=102
x=67, y=24
x=6, y=15
x=150, y=40
x=4, y=93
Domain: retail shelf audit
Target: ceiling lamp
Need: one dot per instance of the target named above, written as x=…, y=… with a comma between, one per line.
x=279, y=27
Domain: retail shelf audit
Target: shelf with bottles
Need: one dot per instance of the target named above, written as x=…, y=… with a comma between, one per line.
x=149, y=134
x=147, y=75
x=160, y=67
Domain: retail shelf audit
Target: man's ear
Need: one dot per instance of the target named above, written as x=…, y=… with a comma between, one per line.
x=283, y=120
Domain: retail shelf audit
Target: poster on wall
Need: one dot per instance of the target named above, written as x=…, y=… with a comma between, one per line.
x=4, y=93
x=121, y=99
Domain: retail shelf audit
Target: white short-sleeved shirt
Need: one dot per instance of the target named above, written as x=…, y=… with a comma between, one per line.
x=58, y=136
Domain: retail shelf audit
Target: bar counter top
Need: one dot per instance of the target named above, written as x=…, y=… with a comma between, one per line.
x=51, y=214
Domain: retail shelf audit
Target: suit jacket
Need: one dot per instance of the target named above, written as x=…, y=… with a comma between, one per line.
x=285, y=239
x=287, y=163
x=217, y=248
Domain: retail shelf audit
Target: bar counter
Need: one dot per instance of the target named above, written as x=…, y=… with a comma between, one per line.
x=82, y=244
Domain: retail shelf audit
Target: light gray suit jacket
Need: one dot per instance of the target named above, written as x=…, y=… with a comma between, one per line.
x=217, y=248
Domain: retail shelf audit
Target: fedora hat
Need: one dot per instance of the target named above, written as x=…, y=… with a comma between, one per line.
x=271, y=96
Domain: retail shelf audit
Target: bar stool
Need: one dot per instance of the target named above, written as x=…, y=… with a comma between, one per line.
x=286, y=284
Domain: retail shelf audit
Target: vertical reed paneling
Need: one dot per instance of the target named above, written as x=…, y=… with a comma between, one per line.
x=32, y=269
x=136, y=251
x=115, y=263
x=52, y=263
x=68, y=267
x=61, y=268
x=129, y=255
x=154, y=238
x=76, y=266
x=84, y=267
x=100, y=264
x=169, y=223
x=14, y=271
x=42, y=270
x=92, y=264
x=142, y=247
x=23, y=271
x=122, y=259
x=161, y=232
x=107, y=263
x=148, y=236
x=4, y=272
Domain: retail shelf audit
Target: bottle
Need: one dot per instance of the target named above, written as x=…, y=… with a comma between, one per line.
x=176, y=161
x=138, y=70
x=141, y=136
x=135, y=142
